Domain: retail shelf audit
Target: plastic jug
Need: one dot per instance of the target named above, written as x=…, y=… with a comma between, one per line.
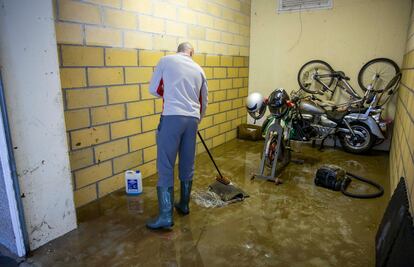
x=133, y=182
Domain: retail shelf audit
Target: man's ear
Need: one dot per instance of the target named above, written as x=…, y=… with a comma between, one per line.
x=191, y=53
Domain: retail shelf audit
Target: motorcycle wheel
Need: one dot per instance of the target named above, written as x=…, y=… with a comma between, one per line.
x=358, y=144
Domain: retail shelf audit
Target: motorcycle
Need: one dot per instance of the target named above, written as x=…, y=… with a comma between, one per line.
x=302, y=119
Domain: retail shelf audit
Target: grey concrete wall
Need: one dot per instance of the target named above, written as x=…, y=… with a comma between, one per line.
x=7, y=238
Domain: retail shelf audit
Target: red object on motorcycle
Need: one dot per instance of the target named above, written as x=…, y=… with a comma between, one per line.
x=290, y=103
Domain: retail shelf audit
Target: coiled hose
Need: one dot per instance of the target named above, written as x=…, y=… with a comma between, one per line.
x=365, y=180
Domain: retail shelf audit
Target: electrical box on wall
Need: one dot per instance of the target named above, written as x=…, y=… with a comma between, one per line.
x=299, y=5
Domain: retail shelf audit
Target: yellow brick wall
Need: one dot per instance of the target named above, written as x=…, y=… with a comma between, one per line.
x=402, y=147
x=107, y=52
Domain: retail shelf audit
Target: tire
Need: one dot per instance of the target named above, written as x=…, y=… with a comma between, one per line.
x=382, y=67
x=349, y=145
x=304, y=74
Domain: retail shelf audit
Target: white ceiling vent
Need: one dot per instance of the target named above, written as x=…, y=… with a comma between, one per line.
x=298, y=5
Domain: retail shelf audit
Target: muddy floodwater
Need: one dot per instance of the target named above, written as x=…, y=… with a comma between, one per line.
x=292, y=224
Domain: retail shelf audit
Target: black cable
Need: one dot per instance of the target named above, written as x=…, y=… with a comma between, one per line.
x=365, y=180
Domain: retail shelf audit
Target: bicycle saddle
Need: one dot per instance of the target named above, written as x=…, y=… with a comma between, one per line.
x=340, y=74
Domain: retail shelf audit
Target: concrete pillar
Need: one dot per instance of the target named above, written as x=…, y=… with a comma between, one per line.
x=29, y=66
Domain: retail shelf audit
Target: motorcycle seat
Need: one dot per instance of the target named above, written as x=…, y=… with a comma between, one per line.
x=340, y=74
x=335, y=115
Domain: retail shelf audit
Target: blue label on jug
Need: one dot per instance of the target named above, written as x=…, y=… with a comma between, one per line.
x=132, y=184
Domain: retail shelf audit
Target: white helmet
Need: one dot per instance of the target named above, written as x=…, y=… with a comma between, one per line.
x=255, y=103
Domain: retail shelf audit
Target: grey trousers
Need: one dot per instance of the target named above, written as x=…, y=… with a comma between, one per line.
x=176, y=135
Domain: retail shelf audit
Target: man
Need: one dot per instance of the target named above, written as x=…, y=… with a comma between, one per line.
x=183, y=86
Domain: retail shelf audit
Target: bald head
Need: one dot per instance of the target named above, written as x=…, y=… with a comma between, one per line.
x=186, y=48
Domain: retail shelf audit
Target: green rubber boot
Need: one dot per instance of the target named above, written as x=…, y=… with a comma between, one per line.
x=165, y=205
x=185, y=193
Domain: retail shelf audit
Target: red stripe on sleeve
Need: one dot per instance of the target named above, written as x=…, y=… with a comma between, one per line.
x=160, y=89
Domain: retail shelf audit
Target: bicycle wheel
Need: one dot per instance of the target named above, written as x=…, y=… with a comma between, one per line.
x=307, y=73
x=377, y=73
x=390, y=89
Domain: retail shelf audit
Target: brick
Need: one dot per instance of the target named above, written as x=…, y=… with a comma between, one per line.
x=121, y=57
x=219, y=73
x=231, y=135
x=120, y=19
x=139, y=109
x=103, y=36
x=213, y=85
x=151, y=24
x=138, y=75
x=220, y=24
x=159, y=105
x=200, y=59
x=82, y=56
x=243, y=72
x=212, y=109
x=212, y=131
x=111, y=3
x=212, y=60
x=79, y=12
x=233, y=93
x=244, y=51
x=200, y=146
x=226, y=61
x=232, y=72
x=187, y=16
x=141, y=141
x=220, y=95
x=205, y=122
x=225, y=127
x=165, y=10
x=231, y=115
x=220, y=49
x=149, y=58
x=196, y=32
x=68, y=33
x=241, y=112
x=205, y=47
x=177, y=29
x=123, y=93
x=145, y=94
x=84, y=195
x=225, y=106
x=164, y=42
x=150, y=122
x=243, y=92
x=237, y=83
x=226, y=84
x=148, y=169
x=73, y=77
x=111, y=150
x=111, y=184
x=245, y=82
x=108, y=114
x=105, y=76
x=214, y=9
x=208, y=72
x=211, y=97
x=137, y=40
x=213, y=35
x=90, y=136
x=150, y=153
x=85, y=98
x=233, y=50
x=238, y=61
x=80, y=158
x=233, y=27
x=219, y=118
x=199, y=5
x=127, y=162
x=125, y=128
x=227, y=14
x=206, y=20
x=141, y=6
x=76, y=119
x=237, y=103
x=93, y=174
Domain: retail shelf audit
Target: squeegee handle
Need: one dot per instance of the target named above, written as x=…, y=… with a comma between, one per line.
x=208, y=152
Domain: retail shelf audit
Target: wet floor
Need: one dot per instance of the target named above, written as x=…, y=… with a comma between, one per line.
x=293, y=224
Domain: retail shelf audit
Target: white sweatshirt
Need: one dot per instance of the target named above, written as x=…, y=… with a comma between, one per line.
x=182, y=84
